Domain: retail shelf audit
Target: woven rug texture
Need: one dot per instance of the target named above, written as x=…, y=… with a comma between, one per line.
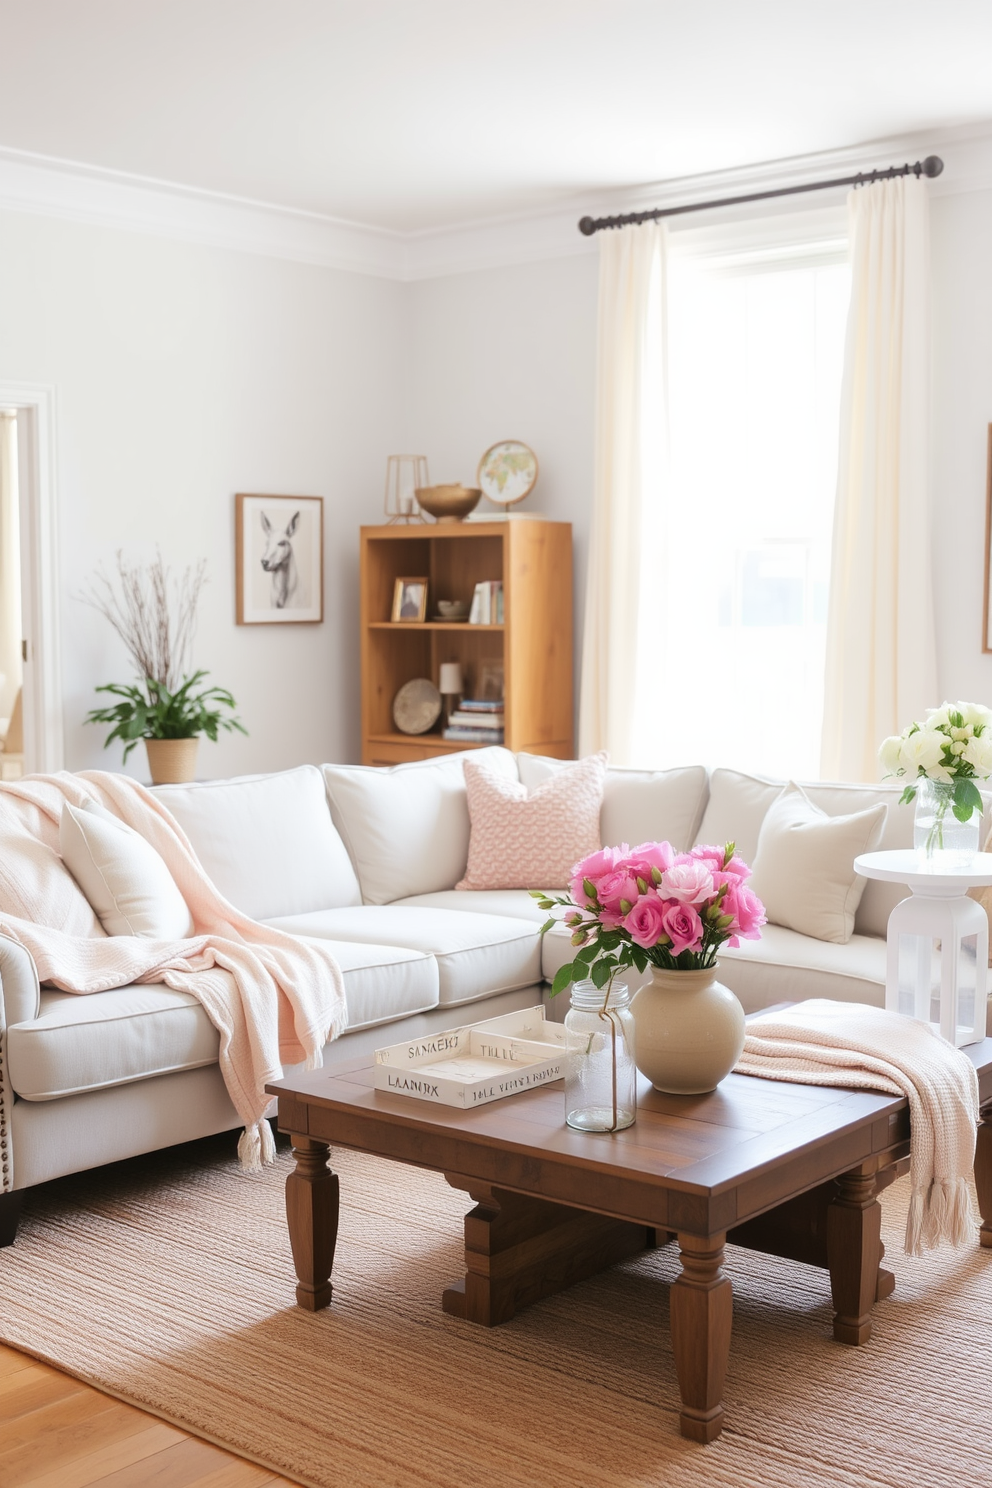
x=168, y=1282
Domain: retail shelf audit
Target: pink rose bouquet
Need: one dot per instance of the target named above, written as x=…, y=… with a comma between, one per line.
x=649, y=905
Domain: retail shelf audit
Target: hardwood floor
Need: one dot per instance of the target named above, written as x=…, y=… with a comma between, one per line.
x=58, y=1433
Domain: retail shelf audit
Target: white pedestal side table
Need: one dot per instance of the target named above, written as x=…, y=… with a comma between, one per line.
x=937, y=910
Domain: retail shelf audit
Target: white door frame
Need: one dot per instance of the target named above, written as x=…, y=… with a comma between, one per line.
x=37, y=472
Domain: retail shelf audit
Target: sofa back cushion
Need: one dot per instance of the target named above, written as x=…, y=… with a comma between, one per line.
x=638, y=805
x=267, y=841
x=407, y=826
x=738, y=803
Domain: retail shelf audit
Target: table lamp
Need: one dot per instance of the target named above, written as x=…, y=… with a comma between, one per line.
x=450, y=686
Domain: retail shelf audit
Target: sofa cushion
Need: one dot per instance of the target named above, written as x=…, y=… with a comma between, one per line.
x=476, y=954
x=638, y=805
x=804, y=865
x=134, y=1033
x=406, y=826
x=784, y=966
x=521, y=839
x=516, y=903
x=267, y=841
x=125, y=880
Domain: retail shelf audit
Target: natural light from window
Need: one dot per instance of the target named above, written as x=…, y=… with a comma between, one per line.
x=737, y=575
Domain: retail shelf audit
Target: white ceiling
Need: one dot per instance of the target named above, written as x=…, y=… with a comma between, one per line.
x=412, y=114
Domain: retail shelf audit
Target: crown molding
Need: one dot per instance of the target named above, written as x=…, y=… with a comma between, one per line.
x=64, y=189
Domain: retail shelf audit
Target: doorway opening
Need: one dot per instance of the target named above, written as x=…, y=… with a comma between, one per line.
x=31, y=738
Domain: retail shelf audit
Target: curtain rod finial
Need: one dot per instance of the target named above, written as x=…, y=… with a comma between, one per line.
x=587, y=227
x=933, y=165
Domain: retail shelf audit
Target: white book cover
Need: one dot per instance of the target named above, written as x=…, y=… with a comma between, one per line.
x=478, y=1063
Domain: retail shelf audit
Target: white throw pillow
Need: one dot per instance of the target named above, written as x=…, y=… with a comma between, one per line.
x=406, y=826
x=267, y=841
x=125, y=880
x=803, y=870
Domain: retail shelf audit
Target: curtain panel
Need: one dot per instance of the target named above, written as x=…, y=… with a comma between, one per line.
x=881, y=654
x=630, y=436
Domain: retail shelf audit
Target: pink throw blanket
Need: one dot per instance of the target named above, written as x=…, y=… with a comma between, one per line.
x=284, y=997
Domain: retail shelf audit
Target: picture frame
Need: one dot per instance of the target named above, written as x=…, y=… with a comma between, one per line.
x=409, y=600
x=986, y=616
x=279, y=559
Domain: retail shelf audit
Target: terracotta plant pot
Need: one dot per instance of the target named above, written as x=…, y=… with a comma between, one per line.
x=171, y=761
x=688, y=1031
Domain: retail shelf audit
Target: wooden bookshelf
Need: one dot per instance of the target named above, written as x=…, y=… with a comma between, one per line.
x=534, y=644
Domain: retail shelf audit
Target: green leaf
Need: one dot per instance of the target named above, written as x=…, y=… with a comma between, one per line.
x=908, y=795
x=547, y=926
x=564, y=977
x=587, y=953
x=601, y=972
x=967, y=799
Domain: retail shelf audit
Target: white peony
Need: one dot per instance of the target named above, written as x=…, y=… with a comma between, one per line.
x=975, y=714
x=924, y=751
x=978, y=753
x=939, y=717
x=890, y=754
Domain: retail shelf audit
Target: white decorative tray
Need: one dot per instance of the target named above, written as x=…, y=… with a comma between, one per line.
x=478, y=1063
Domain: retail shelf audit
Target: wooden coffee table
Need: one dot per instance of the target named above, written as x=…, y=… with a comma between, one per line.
x=792, y=1170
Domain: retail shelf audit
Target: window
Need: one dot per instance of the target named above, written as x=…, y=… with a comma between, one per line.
x=738, y=574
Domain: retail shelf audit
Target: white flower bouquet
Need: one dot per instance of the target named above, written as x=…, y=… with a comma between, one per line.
x=952, y=747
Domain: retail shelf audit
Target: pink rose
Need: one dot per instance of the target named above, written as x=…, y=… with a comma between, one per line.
x=712, y=856
x=648, y=855
x=613, y=887
x=690, y=882
x=594, y=867
x=746, y=910
x=683, y=926
x=645, y=922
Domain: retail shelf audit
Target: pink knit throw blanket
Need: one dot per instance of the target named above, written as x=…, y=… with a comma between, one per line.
x=865, y=1048
x=271, y=997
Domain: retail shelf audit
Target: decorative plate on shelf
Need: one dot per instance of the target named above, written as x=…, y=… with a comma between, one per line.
x=417, y=706
x=508, y=472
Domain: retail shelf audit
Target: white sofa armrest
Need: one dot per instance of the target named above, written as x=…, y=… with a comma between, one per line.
x=20, y=992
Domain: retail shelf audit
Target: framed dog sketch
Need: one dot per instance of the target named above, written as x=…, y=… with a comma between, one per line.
x=279, y=558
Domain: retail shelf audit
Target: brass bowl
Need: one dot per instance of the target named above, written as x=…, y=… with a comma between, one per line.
x=448, y=503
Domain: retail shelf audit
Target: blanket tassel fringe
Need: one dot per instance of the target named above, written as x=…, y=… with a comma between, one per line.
x=943, y=1212
x=256, y=1147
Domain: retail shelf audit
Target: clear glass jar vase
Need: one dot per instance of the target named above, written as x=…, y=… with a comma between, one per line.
x=937, y=832
x=600, y=1074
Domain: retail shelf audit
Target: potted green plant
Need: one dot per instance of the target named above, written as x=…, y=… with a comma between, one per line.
x=168, y=707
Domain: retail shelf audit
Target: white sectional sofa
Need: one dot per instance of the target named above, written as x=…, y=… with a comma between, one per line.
x=368, y=859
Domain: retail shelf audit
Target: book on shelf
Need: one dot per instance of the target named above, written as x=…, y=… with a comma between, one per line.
x=491, y=722
x=487, y=603
x=480, y=705
x=457, y=731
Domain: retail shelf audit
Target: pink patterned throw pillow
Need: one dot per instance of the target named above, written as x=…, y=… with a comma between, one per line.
x=521, y=841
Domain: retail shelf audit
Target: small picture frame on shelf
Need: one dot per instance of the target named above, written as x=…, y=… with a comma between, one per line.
x=409, y=600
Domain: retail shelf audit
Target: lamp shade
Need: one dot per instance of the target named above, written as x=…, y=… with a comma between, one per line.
x=451, y=678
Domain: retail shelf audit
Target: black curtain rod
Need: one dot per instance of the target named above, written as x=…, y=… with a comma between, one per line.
x=932, y=166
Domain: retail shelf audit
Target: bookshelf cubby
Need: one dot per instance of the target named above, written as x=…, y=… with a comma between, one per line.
x=534, y=644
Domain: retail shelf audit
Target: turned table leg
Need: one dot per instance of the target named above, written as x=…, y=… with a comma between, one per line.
x=983, y=1173
x=702, y=1314
x=312, y=1213
x=854, y=1242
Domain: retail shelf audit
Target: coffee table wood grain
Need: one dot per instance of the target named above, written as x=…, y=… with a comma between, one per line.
x=792, y=1170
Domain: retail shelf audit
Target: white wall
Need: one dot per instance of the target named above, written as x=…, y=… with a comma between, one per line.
x=185, y=374
x=510, y=354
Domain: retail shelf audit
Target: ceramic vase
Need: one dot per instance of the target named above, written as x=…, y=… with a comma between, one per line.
x=171, y=761
x=688, y=1030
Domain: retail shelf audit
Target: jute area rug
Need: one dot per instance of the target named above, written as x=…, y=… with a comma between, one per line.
x=168, y=1282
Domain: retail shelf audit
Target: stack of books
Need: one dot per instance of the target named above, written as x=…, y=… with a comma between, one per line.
x=476, y=722
x=487, y=603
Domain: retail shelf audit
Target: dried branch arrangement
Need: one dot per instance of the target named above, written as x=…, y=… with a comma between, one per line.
x=154, y=618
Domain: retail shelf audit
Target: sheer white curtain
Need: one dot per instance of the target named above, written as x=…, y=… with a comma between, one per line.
x=629, y=452
x=10, y=567
x=880, y=665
